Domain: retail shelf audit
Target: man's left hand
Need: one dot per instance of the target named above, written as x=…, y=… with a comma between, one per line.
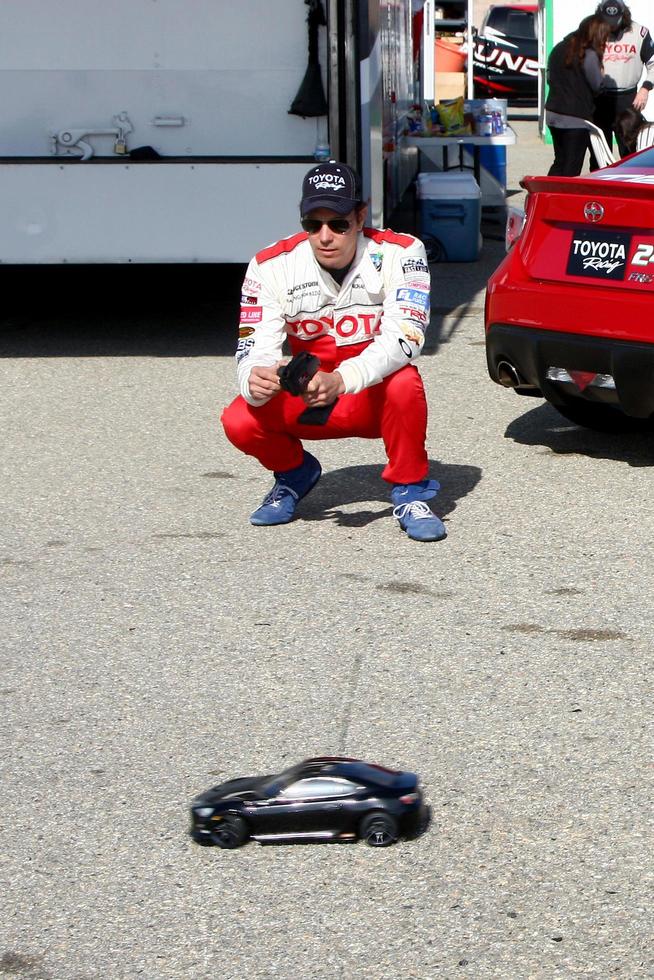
x=323, y=389
x=640, y=99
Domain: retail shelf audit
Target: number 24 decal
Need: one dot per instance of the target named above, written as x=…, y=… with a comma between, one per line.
x=643, y=255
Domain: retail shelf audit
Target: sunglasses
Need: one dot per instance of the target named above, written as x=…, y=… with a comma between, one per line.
x=340, y=226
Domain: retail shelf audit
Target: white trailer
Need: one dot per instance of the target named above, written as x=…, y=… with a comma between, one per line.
x=159, y=130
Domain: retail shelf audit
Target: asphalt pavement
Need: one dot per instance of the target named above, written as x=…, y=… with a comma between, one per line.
x=155, y=643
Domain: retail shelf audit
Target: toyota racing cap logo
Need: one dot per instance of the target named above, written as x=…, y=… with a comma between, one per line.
x=593, y=211
x=330, y=185
x=611, y=11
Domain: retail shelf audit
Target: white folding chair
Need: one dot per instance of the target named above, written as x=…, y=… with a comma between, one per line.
x=601, y=149
x=645, y=136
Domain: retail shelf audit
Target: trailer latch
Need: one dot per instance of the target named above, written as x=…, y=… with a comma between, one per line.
x=77, y=138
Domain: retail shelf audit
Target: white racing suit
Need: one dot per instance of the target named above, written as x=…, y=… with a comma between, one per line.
x=626, y=56
x=371, y=328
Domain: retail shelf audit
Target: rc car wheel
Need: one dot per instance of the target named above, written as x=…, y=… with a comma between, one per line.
x=202, y=840
x=379, y=830
x=602, y=418
x=231, y=832
x=434, y=249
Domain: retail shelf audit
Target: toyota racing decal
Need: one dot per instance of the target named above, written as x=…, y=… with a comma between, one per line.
x=598, y=254
x=613, y=256
x=360, y=326
x=251, y=285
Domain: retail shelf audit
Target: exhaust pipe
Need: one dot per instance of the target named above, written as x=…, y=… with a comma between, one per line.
x=508, y=376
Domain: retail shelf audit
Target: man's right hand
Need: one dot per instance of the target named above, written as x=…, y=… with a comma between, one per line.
x=264, y=382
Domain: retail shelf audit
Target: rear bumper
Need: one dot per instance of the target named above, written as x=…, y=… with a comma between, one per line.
x=532, y=352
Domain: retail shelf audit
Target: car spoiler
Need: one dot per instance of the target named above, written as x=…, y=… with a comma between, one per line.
x=616, y=183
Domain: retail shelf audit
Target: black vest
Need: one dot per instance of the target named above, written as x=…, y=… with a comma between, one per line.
x=569, y=91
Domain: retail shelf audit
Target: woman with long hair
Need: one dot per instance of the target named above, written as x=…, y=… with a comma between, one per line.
x=575, y=77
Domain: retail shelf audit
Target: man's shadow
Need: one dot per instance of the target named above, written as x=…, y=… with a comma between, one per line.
x=544, y=426
x=363, y=485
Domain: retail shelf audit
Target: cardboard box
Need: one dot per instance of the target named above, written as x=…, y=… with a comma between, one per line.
x=449, y=85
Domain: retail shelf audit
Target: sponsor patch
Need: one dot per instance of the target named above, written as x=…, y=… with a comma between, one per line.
x=377, y=259
x=414, y=314
x=243, y=348
x=361, y=325
x=251, y=314
x=412, y=332
x=419, y=283
x=415, y=297
x=245, y=331
x=301, y=287
x=619, y=52
x=412, y=266
x=251, y=285
x=245, y=300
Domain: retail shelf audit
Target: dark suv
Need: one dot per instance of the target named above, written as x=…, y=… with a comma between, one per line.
x=506, y=55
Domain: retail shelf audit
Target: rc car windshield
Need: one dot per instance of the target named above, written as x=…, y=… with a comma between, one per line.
x=273, y=785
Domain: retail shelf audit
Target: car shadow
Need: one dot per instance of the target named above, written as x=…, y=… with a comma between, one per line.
x=363, y=484
x=543, y=426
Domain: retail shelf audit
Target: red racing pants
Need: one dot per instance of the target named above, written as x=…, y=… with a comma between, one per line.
x=394, y=410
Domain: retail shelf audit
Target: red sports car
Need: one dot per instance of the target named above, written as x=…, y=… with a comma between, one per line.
x=570, y=310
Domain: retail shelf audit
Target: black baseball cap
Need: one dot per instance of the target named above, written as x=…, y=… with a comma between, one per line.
x=330, y=185
x=611, y=11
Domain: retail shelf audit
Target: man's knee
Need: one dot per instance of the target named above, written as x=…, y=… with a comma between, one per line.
x=238, y=422
x=405, y=386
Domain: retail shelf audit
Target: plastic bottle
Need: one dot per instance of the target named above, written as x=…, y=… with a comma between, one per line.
x=321, y=152
x=484, y=123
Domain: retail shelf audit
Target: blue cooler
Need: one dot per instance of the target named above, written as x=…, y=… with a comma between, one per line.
x=492, y=177
x=450, y=215
x=493, y=159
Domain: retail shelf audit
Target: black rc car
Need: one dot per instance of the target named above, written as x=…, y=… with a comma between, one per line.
x=323, y=799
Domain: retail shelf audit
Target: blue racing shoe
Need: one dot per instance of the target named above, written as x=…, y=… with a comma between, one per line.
x=278, y=506
x=415, y=517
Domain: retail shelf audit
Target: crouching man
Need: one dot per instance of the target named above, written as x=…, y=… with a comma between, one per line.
x=358, y=299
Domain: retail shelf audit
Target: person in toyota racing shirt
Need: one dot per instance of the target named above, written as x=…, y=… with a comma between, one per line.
x=629, y=52
x=358, y=299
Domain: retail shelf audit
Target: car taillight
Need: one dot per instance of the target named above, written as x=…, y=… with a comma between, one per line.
x=515, y=222
x=410, y=798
